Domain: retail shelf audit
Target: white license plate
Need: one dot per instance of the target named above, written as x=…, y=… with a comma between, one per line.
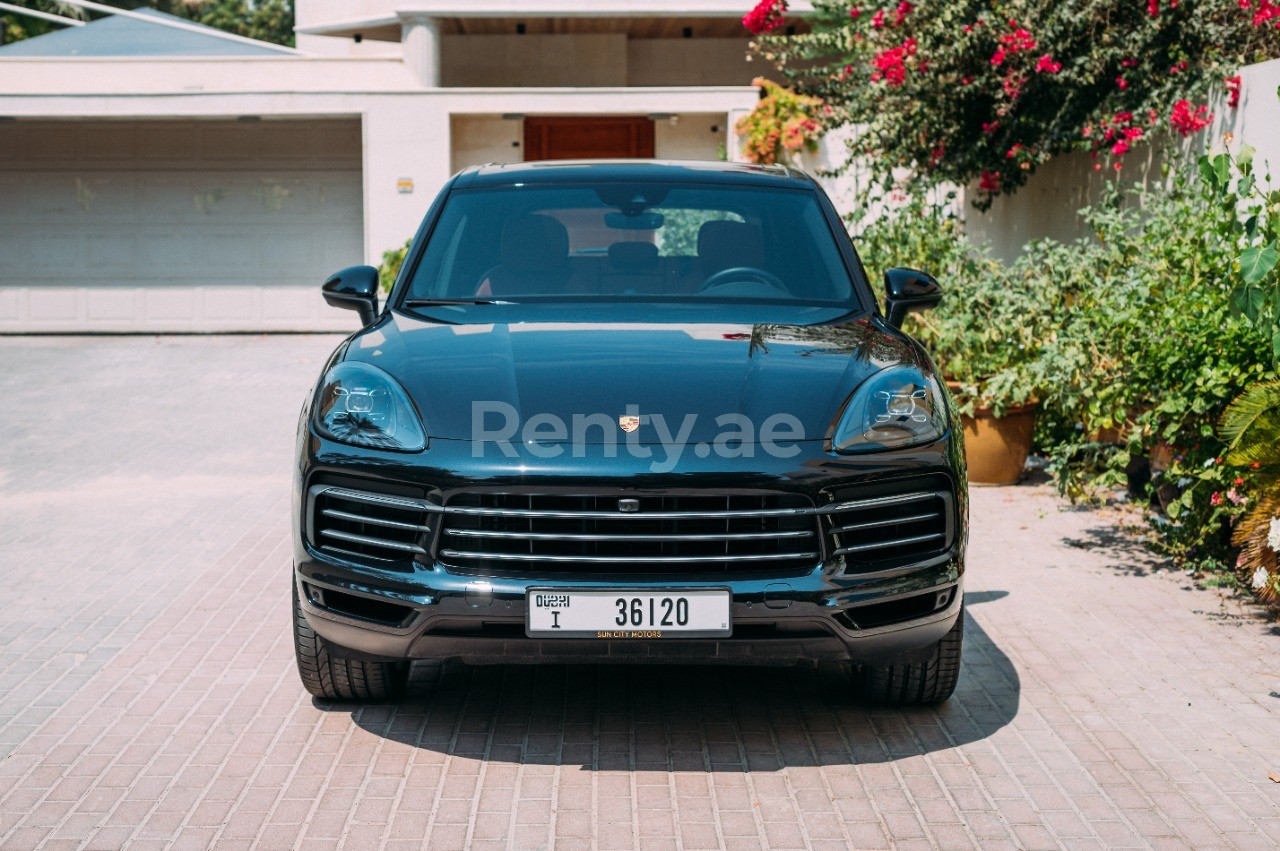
x=628, y=613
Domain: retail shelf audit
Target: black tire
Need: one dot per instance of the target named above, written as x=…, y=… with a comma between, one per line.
x=915, y=683
x=334, y=678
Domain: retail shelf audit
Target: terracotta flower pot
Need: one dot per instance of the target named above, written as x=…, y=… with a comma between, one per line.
x=996, y=448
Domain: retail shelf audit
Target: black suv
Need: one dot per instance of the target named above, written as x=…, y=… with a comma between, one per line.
x=630, y=412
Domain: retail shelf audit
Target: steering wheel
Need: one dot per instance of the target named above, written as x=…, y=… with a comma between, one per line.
x=743, y=274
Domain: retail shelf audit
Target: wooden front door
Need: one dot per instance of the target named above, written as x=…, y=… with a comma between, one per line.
x=588, y=138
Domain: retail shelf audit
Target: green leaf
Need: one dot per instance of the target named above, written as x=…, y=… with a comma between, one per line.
x=1245, y=159
x=1275, y=346
x=1207, y=173
x=1248, y=301
x=1222, y=168
x=1257, y=261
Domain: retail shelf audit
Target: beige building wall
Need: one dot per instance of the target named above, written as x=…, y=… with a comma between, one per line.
x=690, y=137
x=689, y=62
x=480, y=139
x=572, y=61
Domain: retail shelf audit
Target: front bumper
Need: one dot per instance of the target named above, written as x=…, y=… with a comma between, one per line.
x=481, y=621
x=813, y=617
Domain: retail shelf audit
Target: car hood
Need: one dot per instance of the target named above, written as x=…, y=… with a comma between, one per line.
x=568, y=369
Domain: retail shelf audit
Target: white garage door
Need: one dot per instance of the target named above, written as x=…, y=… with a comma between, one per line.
x=176, y=226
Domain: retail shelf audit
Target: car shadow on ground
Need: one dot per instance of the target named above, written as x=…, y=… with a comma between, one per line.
x=686, y=717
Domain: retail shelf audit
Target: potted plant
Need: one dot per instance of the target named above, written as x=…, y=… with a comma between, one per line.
x=987, y=337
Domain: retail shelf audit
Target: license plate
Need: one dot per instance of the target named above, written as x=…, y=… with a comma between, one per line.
x=557, y=612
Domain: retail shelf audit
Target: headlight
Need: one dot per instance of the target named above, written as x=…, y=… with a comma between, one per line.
x=362, y=405
x=894, y=408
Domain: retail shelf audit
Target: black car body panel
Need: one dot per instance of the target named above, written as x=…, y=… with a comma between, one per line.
x=815, y=593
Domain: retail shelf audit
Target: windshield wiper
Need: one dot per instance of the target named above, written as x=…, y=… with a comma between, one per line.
x=431, y=302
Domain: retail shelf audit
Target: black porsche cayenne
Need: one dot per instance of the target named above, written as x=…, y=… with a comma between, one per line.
x=630, y=411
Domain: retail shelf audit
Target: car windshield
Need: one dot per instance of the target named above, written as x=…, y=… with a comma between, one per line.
x=665, y=242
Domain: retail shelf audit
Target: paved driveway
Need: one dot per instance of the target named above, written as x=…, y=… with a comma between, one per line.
x=148, y=696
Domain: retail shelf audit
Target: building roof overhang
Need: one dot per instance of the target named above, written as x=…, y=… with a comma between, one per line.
x=640, y=18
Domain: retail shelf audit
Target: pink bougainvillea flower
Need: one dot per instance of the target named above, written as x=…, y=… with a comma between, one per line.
x=877, y=20
x=1153, y=8
x=1122, y=118
x=1188, y=121
x=765, y=17
x=904, y=9
x=1019, y=39
x=1233, y=91
x=1120, y=148
x=997, y=58
x=964, y=81
x=1122, y=83
x=1013, y=152
x=1265, y=11
x=936, y=155
x=1215, y=500
x=1128, y=63
x=1012, y=86
x=1046, y=65
x=989, y=127
x=855, y=13
x=1133, y=132
x=989, y=182
x=891, y=65
x=1086, y=131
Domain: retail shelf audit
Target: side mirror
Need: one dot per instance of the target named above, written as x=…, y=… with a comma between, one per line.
x=906, y=291
x=354, y=288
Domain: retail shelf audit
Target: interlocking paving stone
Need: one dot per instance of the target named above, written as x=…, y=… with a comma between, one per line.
x=149, y=698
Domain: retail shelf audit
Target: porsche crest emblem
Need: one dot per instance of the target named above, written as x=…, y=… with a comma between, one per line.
x=629, y=424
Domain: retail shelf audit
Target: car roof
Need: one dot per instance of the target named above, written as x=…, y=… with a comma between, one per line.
x=663, y=171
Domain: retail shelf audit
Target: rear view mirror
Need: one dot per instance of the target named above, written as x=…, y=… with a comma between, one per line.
x=642, y=221
x=354, y=288
x=906, y=291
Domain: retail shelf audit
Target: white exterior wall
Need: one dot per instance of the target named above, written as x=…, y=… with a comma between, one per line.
x=1046, y=206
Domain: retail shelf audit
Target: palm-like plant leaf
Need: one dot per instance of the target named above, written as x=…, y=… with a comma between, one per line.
x=1251, y=536
x=1251, y=426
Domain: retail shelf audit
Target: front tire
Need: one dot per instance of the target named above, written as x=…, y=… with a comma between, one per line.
x=915, y=683
x=333, y=678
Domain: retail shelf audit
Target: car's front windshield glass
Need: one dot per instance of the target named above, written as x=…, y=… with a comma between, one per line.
x=645, y=241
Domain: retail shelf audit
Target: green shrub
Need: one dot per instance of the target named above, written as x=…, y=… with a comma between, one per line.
x=392, y=260
x=1129, y=331
x=987, y=334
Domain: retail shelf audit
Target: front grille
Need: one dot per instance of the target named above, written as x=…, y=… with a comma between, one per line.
x=522, y=534
x=886, y=524
x=381, y=529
